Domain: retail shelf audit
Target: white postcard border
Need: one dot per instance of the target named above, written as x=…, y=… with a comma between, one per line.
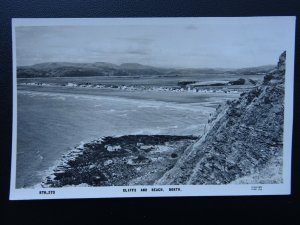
x=136, y=191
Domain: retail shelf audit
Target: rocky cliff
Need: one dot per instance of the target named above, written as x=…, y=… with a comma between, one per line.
x=243, y=141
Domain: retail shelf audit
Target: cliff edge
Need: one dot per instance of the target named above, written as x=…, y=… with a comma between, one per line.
x=243, y=142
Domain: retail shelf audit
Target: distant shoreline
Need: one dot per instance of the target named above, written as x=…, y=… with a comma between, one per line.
x=203, y=89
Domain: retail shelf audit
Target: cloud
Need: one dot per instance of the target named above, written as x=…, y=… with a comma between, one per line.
x=137, y=52
x=191, y=27
x=213, y=43
x=136, y=40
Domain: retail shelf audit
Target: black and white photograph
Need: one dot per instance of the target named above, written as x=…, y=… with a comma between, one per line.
x=143, y=107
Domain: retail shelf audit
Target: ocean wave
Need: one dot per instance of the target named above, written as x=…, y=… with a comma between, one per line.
x=61, y=164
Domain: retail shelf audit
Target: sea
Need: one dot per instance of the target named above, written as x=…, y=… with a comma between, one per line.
x=53, y=120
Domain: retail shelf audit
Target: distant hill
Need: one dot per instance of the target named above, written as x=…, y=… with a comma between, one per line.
x=67, y=69
x=255, y=70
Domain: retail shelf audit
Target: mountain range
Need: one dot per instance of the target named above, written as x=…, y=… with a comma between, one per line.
x=67, y=69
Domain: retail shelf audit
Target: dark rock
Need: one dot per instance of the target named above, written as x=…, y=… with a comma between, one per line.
x=184, y=83
x=252, y=81
x=174, y=155
x=240, y=81
x=141, y=158
x=281, y=63
x=268, y=77
x=97, y=166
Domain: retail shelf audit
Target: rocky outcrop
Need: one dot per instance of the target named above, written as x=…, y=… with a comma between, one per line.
x=240, y=81
x=242, y=138
x=119, y=161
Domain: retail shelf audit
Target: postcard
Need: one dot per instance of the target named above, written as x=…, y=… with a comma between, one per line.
x=152, y=107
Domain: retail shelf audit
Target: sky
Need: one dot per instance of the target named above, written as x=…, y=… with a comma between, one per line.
x=194, y=43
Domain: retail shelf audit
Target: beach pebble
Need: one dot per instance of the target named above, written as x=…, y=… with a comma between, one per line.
x=108, y=162
x=92, y=166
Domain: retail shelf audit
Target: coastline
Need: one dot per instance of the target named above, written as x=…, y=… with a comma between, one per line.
x=123, y=115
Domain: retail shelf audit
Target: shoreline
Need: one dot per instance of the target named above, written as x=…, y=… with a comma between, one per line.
x=230, y=89
x=208, y=99
x=151, y=105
